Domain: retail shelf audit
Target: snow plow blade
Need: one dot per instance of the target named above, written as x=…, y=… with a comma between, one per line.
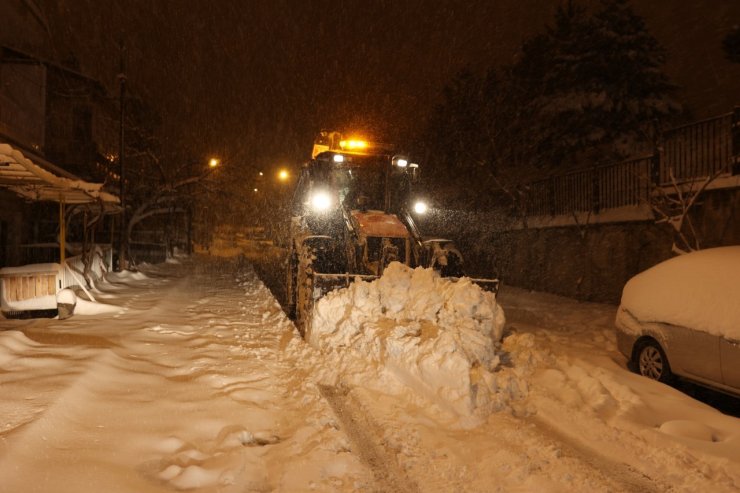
x=323, y=283
x=485, y=284
x=319, y=285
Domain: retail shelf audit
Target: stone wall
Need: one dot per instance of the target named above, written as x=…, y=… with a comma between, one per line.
x=588, y=262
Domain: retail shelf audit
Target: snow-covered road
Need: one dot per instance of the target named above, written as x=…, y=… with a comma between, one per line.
x=198, y=382
x=183, y=389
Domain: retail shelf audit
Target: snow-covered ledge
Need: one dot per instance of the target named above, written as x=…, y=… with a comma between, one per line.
x=627, y=213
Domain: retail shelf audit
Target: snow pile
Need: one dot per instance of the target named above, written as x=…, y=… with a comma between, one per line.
x=67, y=296
x=128, y=275
x=698, y=290
x=48, y=268
x=47, y=302
x=84, y=307
x=436, y=336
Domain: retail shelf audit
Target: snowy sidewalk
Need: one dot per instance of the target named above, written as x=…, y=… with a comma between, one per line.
x=183, y=389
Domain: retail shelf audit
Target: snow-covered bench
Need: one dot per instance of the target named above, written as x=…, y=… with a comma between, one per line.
x=30, y=288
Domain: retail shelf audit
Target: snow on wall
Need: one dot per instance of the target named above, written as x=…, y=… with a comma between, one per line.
x=413, y=328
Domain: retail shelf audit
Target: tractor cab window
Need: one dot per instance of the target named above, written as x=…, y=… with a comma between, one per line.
x=364, y=186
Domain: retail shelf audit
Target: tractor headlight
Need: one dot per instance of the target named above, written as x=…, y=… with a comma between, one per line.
x=400, y=161
x=321, y=201
x=420, y=207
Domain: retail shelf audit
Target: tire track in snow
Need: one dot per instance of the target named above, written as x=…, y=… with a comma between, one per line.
x=361, y=432
x=630, y=478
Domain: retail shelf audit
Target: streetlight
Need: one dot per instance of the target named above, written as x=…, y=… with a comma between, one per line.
x=283, y=175
x=198, y=173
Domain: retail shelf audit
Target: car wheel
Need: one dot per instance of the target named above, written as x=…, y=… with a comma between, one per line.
x=652, y=362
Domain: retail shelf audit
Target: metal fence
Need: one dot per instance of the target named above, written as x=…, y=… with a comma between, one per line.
x=699, y=149
x=591, y=190
x=695, y=151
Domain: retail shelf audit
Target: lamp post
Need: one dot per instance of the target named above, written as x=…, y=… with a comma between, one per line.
x=212, y=163
x=280, y=209
x=122, y=246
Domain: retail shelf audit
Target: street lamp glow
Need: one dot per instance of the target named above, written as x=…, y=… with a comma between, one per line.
x=256, y=190
x=214, y=162
x=283, y=175
x=420, y=207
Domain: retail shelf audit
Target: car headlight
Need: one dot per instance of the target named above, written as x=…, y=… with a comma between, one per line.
x=420, y=207
x=321, y=201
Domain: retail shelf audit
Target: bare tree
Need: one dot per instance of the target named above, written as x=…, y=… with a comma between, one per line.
x=673, y=205
x=169, y=197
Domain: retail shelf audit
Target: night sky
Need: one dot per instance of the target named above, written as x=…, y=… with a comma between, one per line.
x=254, y=80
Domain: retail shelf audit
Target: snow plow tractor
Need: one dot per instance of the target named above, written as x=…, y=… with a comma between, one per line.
x=352, y=214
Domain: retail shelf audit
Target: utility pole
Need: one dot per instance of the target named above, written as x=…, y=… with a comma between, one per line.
x=122, y=231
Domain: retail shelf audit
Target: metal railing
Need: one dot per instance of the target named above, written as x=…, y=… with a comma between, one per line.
x=699, y=149
x=691, y=152
x=591, y=190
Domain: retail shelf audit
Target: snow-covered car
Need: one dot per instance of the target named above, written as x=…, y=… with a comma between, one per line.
x=682, y=317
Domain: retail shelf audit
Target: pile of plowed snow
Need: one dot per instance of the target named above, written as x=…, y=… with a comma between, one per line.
x=413, y=328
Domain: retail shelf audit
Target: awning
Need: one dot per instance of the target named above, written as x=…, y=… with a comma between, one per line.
x=28, y=179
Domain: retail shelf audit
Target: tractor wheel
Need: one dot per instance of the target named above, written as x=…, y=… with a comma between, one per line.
x=290, y=285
